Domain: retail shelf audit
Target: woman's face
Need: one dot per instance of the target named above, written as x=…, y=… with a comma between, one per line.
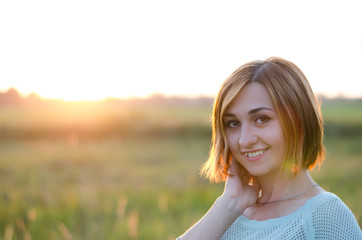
x=254, y=132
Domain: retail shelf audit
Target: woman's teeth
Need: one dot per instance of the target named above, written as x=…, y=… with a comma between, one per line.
x=254, y=154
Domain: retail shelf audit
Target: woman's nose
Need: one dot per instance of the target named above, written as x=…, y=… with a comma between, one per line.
x=247, y=136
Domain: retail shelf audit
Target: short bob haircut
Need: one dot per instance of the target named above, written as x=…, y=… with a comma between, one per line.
x=297, y=108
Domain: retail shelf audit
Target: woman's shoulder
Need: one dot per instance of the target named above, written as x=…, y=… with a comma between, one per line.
x=331, y=218
x=327, y=205
x=326, y=201
x=323, y=198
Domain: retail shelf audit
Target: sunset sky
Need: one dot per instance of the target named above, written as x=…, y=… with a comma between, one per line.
x=90, y=50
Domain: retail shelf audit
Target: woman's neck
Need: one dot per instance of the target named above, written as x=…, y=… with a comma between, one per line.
x=284, y=185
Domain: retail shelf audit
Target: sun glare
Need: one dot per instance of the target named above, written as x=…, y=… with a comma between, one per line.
x=77, y=93
x=78, y=97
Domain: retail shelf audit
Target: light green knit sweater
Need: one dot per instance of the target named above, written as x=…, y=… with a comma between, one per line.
x=324, y=216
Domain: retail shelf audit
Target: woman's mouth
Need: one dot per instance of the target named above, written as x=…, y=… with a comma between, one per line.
x=254, y=155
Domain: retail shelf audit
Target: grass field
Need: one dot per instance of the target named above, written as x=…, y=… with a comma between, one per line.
x=140, y=187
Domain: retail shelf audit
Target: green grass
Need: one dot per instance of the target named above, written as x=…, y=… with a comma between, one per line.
x=346, y=111
x=139, y=177
x=81, y=187
x=107, y=189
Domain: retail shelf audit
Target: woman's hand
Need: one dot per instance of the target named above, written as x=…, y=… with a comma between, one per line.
x=241, y=189
x=237, y=196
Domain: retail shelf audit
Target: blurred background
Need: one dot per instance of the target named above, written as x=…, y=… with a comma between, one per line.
x=105, y=107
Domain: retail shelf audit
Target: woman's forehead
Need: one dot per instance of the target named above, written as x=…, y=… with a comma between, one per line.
x=251, y=96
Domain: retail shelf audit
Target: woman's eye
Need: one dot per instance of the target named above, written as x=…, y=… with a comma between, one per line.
x=232, y=124
x=262, y=120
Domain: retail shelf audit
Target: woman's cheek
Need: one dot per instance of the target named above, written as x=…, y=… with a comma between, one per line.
x=233, y=143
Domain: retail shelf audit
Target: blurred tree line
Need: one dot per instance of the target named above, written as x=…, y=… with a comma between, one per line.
x=32, y=117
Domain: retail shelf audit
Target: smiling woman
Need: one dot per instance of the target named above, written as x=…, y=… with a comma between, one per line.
x=267, y=134
x=253, y=131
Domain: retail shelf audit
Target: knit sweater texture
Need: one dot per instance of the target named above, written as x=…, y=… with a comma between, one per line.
x=324, y=216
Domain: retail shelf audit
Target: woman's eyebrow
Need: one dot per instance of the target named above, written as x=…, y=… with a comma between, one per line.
x=259, y=109
x=250, y=112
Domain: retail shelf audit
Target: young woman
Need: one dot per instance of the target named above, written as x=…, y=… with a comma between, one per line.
x=267, y=134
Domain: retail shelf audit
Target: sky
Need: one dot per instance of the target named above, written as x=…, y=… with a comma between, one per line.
x=95, y=49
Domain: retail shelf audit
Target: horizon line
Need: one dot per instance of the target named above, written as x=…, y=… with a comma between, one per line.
x=340, y=95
